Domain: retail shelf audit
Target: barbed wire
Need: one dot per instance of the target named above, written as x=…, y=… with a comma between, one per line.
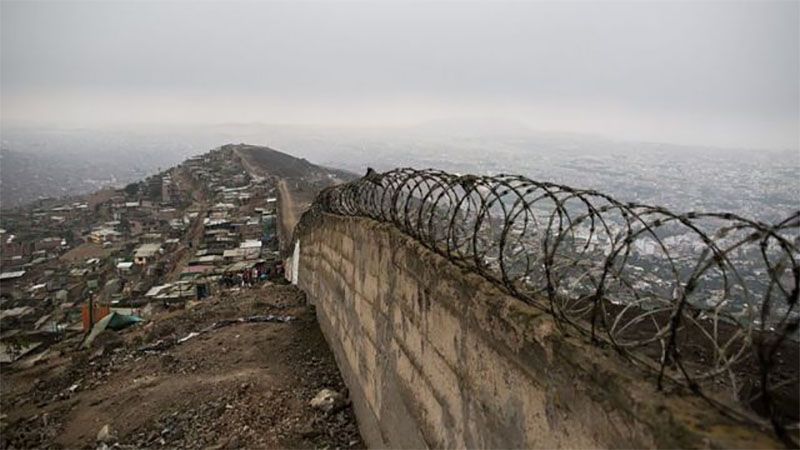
x=708, y=300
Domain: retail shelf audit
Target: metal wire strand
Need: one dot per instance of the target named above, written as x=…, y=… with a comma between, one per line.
x=705, y=300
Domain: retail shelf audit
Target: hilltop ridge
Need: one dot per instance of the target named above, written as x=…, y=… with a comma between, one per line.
x=298, y=181
x=285, y=165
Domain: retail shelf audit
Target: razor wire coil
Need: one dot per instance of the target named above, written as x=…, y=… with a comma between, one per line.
x=707, y=300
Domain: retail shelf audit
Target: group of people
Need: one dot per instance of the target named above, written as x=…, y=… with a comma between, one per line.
x=250, y=277
x=245, y=278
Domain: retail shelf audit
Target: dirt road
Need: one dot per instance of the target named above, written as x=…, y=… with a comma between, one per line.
x=288, y=210
x=179, y=258
x=246, y=384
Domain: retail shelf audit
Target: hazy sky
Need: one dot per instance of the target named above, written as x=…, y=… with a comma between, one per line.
x=719, y=73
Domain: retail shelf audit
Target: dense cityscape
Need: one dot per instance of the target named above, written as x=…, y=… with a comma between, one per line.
x=120, y=276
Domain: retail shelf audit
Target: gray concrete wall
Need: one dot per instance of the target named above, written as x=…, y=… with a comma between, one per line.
x=435, y=356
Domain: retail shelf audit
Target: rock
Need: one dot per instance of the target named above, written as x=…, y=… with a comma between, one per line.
x=104, y=435
x=327, y=400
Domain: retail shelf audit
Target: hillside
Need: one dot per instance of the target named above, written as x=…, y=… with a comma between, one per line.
x=283, y=165
x=164, y=320
x=298, y=181
x=241, y=385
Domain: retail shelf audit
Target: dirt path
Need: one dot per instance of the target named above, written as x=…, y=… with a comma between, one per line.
x=251, y=168
x=288, y=210
x=194, y=235
x=244, y=385
x=188, y=246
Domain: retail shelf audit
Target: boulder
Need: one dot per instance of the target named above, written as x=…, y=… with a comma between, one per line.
x=327, y=400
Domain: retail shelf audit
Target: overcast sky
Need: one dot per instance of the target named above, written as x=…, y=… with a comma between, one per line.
x=718, y=73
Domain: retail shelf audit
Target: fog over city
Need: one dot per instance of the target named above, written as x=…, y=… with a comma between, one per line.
x=711, y=73
x=476, y=86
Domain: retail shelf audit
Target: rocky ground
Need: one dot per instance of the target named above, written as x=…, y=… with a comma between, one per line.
x=248, y=380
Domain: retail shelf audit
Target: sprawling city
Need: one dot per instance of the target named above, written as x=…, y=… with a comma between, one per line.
x=76, y=271
x=386, y=224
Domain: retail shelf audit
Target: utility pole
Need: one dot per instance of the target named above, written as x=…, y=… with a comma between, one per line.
x=91, y=311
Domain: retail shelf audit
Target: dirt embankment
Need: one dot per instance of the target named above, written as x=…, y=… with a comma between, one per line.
x=241, y=384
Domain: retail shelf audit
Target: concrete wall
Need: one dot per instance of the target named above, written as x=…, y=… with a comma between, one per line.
x=435, y=356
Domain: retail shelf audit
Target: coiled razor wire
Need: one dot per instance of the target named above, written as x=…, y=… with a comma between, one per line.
x=705, y=299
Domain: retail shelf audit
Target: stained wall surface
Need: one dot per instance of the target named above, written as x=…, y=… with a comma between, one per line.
x=436, y=356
